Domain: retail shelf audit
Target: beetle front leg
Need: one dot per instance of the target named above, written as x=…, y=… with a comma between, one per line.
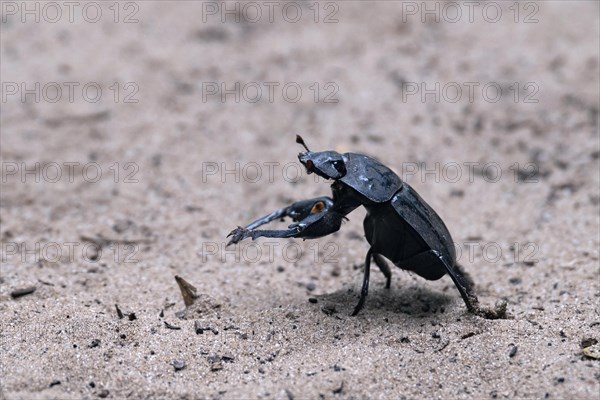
x=297, y=211
x=239, y=234
x=311, y=227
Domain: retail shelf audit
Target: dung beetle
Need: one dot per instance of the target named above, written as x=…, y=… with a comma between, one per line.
x=399, y=225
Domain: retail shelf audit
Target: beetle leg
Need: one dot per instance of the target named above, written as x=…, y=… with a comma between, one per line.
x=297, y=211
x=384, y=267
x=422, y=264
x=268, y=218
x=311, y=227
x=365, y=286
x=239, y=234
x=464, y=284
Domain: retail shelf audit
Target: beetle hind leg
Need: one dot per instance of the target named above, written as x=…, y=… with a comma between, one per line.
x=464, y=284
x=427, y=265
x=385, y=269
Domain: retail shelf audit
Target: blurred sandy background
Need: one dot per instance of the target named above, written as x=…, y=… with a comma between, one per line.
x=121, y=131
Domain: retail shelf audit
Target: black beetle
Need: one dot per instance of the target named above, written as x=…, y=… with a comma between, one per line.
x=399, y=225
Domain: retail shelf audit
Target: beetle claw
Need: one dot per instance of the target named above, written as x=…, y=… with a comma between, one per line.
x=234, y=231
x=238, y=234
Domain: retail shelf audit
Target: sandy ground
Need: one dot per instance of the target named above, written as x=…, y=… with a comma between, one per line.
x=182, y=162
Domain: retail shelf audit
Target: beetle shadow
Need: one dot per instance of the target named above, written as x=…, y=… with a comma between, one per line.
x=411, y=300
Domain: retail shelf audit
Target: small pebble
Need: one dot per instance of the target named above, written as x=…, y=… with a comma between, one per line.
x=215, y=363
x=587, y=342
x=329, y=310
x=178, y=365
x=22, y=292
x=592, y=351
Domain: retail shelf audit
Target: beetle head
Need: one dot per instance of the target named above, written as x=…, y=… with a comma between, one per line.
x=327, y=164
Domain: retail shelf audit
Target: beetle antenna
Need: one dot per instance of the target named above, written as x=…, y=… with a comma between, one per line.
x=299, y=140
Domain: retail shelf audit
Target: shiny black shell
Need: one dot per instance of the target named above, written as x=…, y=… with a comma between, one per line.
x=425, y=221
x=370, y=178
